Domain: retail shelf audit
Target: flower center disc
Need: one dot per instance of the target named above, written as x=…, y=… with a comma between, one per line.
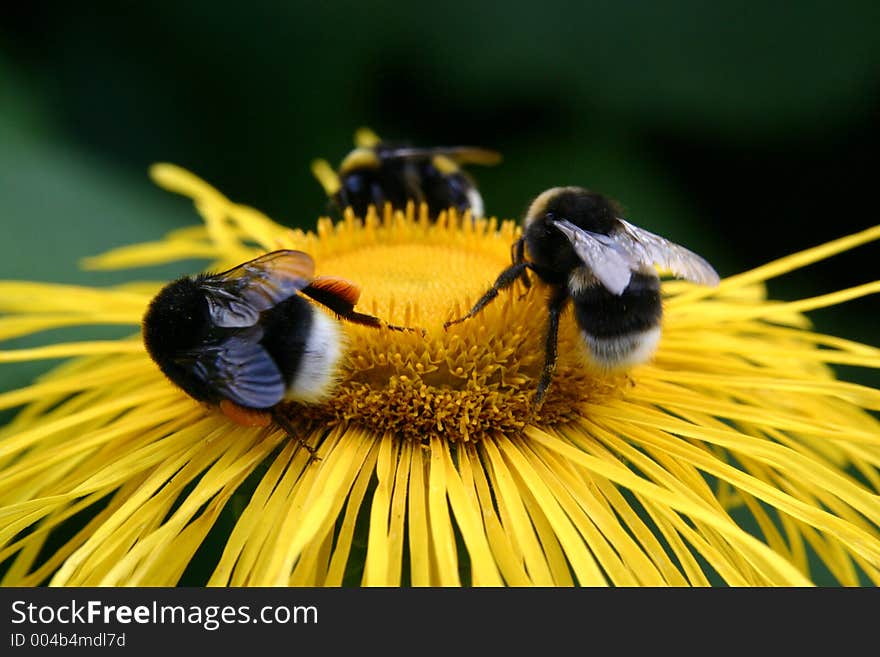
x=474, y=379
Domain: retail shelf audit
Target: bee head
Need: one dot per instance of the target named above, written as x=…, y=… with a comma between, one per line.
x=177, y=319
x=586, y=209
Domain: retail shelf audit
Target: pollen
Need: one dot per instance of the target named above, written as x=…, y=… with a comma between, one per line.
x=470, y=381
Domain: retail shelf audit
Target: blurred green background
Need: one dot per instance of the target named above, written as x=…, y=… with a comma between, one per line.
x=744, y=130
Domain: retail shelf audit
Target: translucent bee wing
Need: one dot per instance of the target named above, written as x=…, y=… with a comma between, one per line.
x=460, y=154
x=611, y=264
x=238, y=296
x=240, y=370
x=650, y=249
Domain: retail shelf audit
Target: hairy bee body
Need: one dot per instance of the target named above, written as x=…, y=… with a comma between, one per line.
x=602, y=265
x=301, y=341
x=377, y=172
x=618, y=329
x=247, y=340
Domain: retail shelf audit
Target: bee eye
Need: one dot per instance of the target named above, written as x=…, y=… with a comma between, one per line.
x=550, y=216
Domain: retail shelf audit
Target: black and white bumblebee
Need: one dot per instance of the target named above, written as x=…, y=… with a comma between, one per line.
x=246, y=340
x=579, y=246
x=378, y=172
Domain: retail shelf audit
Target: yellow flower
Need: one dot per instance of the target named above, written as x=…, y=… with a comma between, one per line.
x=432, y=470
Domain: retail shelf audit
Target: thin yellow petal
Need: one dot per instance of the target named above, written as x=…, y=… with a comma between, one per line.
x=754, y=550
x=417, y=516
x=776, y=310
x=377, y=566
x=601, y=530
x=151, y=253
x=440, y=523
x=250, y=516
x=71, y=349
x=179, y=180
x=311, y=512
x=582, y=561
x=396, y=533
x=259, y=530
x=508, y=558
x=515, y=517
x=467, y=517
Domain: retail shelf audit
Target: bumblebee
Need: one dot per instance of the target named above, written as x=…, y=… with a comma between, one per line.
x=586, y=253
x=245, y=340
x=378, y=172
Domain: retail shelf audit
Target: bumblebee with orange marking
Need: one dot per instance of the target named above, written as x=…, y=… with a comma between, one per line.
x=246, y=339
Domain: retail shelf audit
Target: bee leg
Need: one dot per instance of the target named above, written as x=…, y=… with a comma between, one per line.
x=375, y=322
x=341, y=301
x=527, y=283
x=284, y=423
x=517, y=255
x=504, y=280
x=518, y=251
x=554, y=310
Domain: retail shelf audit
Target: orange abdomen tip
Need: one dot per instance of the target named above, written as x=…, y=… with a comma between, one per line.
x=246, y=417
